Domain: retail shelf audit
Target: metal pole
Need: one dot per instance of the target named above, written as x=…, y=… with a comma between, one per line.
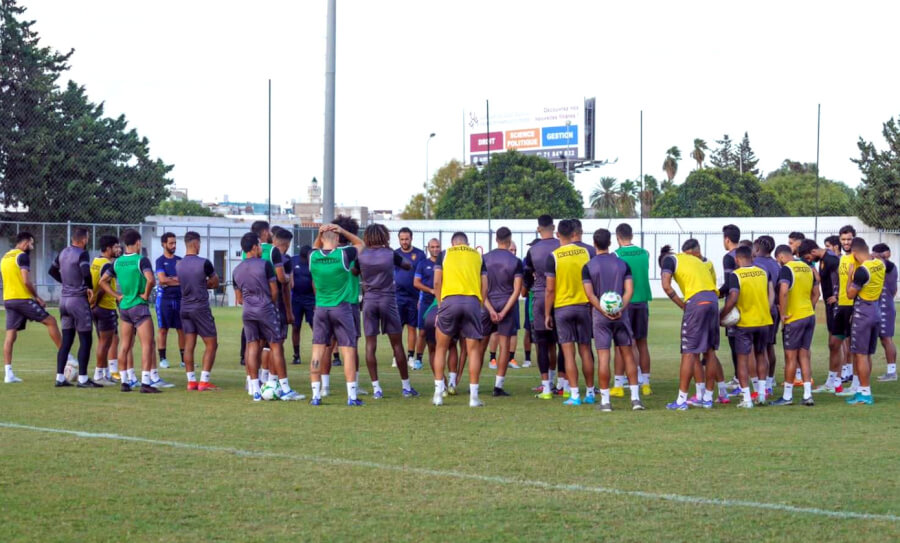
x=487, y=104
x=818, y=132
x=270, y=153
x=641, y=177
x=427, y=172
x=330, y=51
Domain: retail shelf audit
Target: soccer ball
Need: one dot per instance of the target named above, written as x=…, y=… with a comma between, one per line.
x=71, y=371
x=611, y=302
x=268, y=391
x=732, y=317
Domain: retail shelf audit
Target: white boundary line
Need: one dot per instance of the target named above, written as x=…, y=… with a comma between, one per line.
x=509, y=481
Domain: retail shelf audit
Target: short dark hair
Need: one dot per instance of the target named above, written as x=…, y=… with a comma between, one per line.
x=833, y=240
x=22, y=236
x=107, y=241
x=689, y=245
x=577, y=223
x=565, y=228
x=258, y=227
x=284, y=234
x=459, y=236
x=405, y=230
x=190, y=236
x=165, y=237
x=602, y=238
x=545, y=220
x=806, y=247
x=624, y=231
x=376, y=235
x=504, y=234
x=847, y=229
x=880, y=248
x=79, y=233
x=275, y=229
x=130, y=237
x=249, y=241
x=796, y=236
x=782, y=249
x=347, y=223
x=765, y=244
x=743, y=252
x=746, y=243
x=731, y=232
x=664, y=252
x=859, y=244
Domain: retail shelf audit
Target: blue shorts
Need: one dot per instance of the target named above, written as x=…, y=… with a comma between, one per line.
x=409, y=312
x=303, y=308
x=168, y=312
x=422, y=307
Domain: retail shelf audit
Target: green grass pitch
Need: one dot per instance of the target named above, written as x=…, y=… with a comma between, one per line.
x=218, y=467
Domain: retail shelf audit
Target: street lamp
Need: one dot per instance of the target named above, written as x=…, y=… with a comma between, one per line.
x=427, y=172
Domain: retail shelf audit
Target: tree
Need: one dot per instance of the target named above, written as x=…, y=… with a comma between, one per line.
x=605, y=198
x=184, y=208
x=670, y=164
x=878, y=204
x=747, y=160
x=521, y=187
x=627, y=200
x=61, y=159
x=719, y=192
x=651, y=191
x=794, y=186
x=415, y=209
x=448, y=174
x=699, y=152
x=725, y=155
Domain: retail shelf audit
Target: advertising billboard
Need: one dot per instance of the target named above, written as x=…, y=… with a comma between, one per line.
x=555, y=130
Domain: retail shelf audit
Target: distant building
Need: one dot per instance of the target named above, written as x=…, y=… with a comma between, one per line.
x=244, y=208
x=178, y=194
x=382, y=215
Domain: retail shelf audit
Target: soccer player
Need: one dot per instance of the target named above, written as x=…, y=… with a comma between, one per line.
x=423, y=281
x=731, y=236
x=376, y=263
x=196, y=275
x=751, y=292
x=606, y=272
x=21, y=300
x=504, y=279
x=700, y=322
x=763, y=247
x=460, y=287
x=829, y=263
x=103, y=311
x=638, y=314
x=282, y=238
x=864, y=289
x=794, y=241
x=72, y=268
x=566, y=308
x=535, y=277
x=888, y=311
x=798, y=292
x=844, y=312
x=331, y=267
x=303, y=299
x=134, y=276
x=168, y=299
x=256, y=289
x=577, y=238
x=407, y=295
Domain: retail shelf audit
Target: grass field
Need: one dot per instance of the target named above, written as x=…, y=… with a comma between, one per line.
x=215, y=466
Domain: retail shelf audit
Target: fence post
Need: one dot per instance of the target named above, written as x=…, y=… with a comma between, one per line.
x=208, y=241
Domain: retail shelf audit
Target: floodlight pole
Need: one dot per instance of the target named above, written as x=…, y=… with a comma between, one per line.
x=427, y=172
x=641, y=179
x=330, y=51
x=270, y=152
x=818, y=132
x=487, y=104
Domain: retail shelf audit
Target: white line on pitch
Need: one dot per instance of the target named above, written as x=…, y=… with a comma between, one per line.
x=510, y=481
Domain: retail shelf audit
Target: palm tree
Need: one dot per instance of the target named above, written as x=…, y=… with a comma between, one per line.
x=670, y=165
x=604, y=197
x=698, y=152
x=627, y=198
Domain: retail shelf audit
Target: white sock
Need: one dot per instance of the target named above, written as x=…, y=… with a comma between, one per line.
x=620, y=381
x=646, y=380
x=473, y=392
x=351, y=390
x=498, y=381
x=865, y=391
x=191, y=376
x=376, y=386
x=264, y=375
x=285, y=385
x=746, y=392
x=770, y=382
x=107, y=373
x=326, y=382
x=98, y=374
x=723, y=389
x=145, y=377
x=114, y=366
x=317, y=390
x=788, y=391
x=807, y=390
x=59, y=377
x=453, y=377
x=799, y=375
x=546, y=385
x=635, y=395
x=204, y=376
x=855, y=385
x=552, y=375
x=589, y=391
x=131, y=376
x=574, y=394
x=682, y=397
x=701, y=389
x=82, y=379
x=154, y=374
x=254, y=386
x=833, y=380
x=438, y=386
x=405, y=384
x=847, y=370
x=563, y=383
x=892, y=368
x=640, y=375
x=754, y=382
x=604, y=395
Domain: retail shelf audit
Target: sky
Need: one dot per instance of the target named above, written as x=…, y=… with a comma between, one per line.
x=192, y=77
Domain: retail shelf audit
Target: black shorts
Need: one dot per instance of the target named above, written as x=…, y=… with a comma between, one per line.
x=638, y=316
x=829, y=318
x=842, y=316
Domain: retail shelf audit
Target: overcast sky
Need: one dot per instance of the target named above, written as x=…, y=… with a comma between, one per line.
x=192, y=77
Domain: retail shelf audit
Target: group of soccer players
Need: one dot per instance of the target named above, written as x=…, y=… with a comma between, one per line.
x=458, y=303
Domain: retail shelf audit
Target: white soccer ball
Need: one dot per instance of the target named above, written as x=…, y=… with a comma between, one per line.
x=71, y=371
x=732, y=318
x=611, y=302
x=268, y=391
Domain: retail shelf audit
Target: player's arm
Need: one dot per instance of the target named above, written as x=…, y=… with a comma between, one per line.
x=783, y=288
x=54, y=270
x=354, y=240
x=419, y=285
x=106, y=276
x=734, y=291
x=24, y=262
x=830, y=269
x=513, y=298
x=668, y=271
x=484, y=289
x=238, y=296
x=858, y=279
x=629, y=292
x=438, y=277
x=814, y=295
x=147, y=270
x=588, y=286
x=274, y=285
x=84, y=265
x=771, y=294
x=728, y=267
x=403, y=264
x=550, y=290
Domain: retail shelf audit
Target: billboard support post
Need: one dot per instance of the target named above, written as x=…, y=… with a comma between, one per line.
x=641, y=178
x=328, y=173
x=487, y=105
